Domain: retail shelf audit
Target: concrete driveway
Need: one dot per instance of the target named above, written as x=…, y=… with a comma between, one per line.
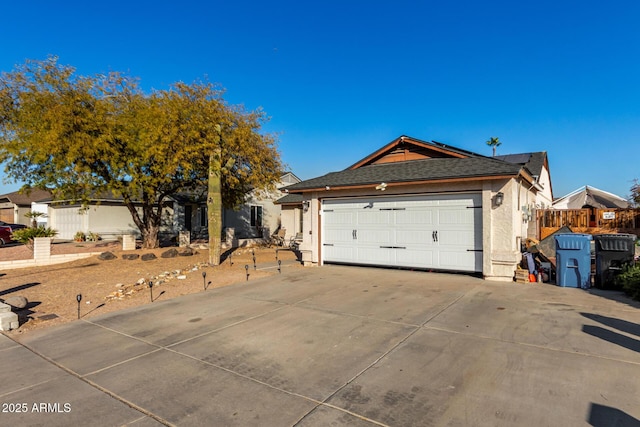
x=338, y=346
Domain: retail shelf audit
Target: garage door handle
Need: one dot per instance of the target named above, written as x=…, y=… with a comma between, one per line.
x=393, y=247
x=327, y=244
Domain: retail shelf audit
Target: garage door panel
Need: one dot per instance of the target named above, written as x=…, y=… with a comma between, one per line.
x=369, y=217
x=340, y=218
x=377, y=237
x=462, y=238
x=427, y=231
x=415, y=258
x=422, y=216
x=414, y=237
x=373, y=255
x=339, y=236
x=339, y=253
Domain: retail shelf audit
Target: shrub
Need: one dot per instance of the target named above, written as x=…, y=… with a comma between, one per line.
x=93, y=237
x=629, y=279
x=26, y=235
x=79, y=237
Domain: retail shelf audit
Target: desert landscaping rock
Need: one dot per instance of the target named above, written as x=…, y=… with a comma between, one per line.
x=130, y=257
x=186, y=252
x=17, y=302
x=106, y=256
x=171, y=253
x=148, y=257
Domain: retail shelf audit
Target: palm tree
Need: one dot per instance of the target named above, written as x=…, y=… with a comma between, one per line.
x=494, y=142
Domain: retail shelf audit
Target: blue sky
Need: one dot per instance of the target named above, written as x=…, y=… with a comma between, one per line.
x=340, y=79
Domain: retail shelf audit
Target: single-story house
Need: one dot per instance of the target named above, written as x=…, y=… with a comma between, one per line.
x=425, y=205
x=108, y=217
x=103, y=214
x=258, y=217
x=14, y=206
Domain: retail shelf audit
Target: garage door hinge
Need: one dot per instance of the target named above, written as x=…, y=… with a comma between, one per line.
x=393, y=209
x=327, y=244
x=393, y=247
x=474, y=207
x=474, y=250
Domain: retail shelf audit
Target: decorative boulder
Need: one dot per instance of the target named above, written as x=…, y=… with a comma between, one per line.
x=130, y=256
x=17, y=302
x=186, y=252
x=171, y=253
x=106, y=256
x=148, y=257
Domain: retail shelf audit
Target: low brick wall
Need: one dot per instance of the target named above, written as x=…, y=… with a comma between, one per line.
x=52, y=259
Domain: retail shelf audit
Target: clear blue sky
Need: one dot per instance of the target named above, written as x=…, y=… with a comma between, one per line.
x=342, y=78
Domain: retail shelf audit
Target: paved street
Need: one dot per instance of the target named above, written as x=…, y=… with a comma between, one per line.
x=338, y=345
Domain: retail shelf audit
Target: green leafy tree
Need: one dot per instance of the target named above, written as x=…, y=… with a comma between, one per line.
x=80, y=136
x=494, y=142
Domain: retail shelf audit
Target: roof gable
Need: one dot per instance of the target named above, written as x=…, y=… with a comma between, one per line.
x=405, y=148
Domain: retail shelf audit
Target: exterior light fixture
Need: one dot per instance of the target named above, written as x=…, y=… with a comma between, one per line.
x=305, y=205
x=382, y=186
x=499, y=198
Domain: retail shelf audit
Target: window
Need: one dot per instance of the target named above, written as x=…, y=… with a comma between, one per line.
x=256, y=216
x=204, y=220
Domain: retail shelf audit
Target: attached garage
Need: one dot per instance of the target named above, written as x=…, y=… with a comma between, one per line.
x=422, y=231
x=423, y=205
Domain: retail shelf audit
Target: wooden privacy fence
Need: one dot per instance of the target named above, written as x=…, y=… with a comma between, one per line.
x=588, y=220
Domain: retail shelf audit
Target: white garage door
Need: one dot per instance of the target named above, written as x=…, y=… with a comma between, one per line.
x=426, y=231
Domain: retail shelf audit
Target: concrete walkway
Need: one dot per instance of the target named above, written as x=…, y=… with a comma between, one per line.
x=338, y=346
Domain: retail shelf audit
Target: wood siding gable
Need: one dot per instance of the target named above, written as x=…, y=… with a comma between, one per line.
x=406, y=148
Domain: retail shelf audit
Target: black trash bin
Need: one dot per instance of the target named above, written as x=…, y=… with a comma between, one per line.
x=613, y=253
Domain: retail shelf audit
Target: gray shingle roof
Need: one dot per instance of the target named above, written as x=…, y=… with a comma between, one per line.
x=290, y=199
x=411, y=171
x=532, y=161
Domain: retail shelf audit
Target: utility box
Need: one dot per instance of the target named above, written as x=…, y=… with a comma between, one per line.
x=613, y=253
x=573, y=260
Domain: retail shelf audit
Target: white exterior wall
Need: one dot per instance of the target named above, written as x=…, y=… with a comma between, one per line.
x=105, y=220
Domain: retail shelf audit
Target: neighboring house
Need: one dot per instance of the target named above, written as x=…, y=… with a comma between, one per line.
x=258, y=217
x=590, y=197
x=103, y=214
x=107, y=215
x=14, y=206
x=425, y=205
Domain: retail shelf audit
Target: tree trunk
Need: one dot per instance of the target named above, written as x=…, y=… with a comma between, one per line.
x=214, y=208
x=149, y=226
x=150, y=239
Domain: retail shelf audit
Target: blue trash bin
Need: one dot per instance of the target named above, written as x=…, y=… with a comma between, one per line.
x=573, y=260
